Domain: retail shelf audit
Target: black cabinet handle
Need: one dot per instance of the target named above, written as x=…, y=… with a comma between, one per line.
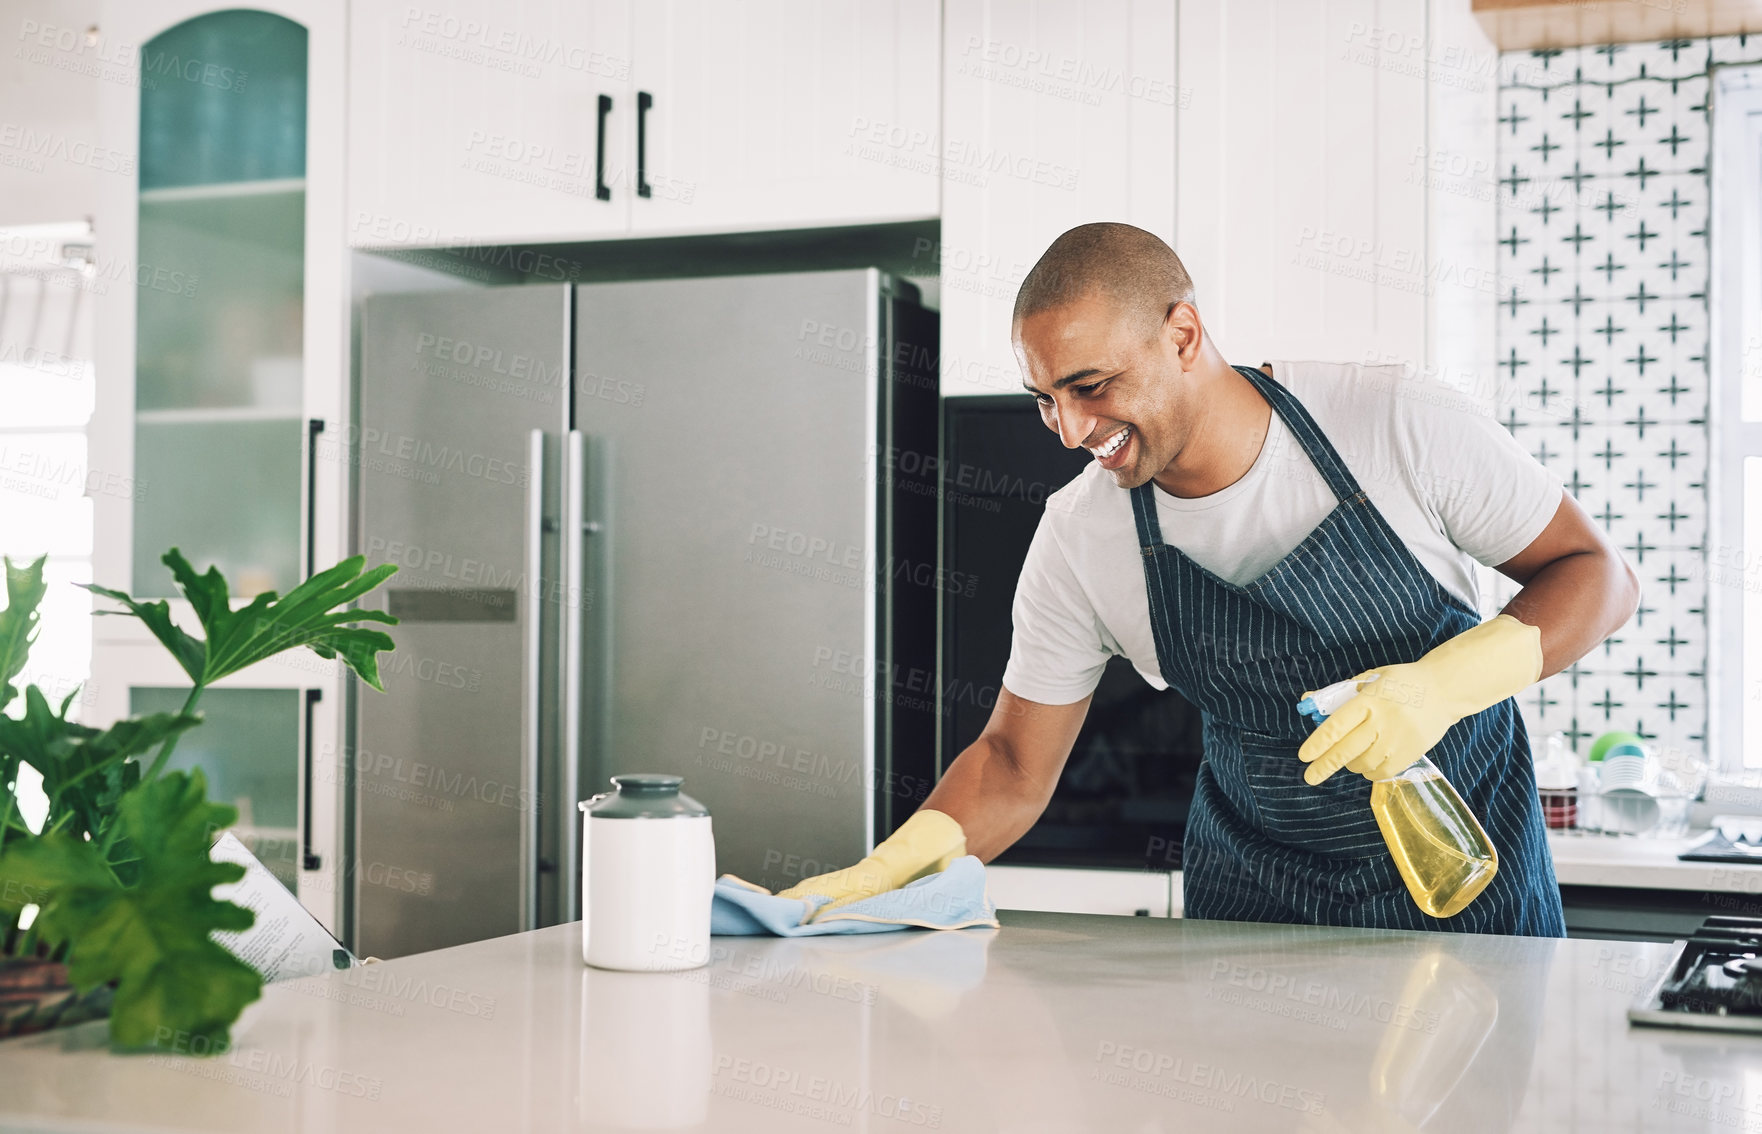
x=644, y=100
x=314, y=426
x=600, y=188
x=308, y=860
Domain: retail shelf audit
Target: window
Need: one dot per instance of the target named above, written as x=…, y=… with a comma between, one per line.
x=45, y=402
x=1734, y=551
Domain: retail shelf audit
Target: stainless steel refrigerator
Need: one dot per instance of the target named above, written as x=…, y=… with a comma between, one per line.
x=679, y=526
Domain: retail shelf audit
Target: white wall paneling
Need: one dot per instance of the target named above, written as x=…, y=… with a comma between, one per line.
x=1297, y=220
x=1054, y=114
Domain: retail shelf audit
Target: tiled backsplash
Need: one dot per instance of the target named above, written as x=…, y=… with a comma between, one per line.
x=1602, y=348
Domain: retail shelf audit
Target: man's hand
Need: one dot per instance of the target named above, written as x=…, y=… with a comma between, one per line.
x=1397, y=718
x=924, y=844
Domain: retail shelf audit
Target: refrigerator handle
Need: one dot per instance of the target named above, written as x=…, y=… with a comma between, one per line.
x=534, y=671
x=573, y=613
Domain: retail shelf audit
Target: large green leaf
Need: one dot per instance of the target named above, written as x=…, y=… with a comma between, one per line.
x=84, y=770
x=174, y=983
x=308, y=615
x=18, y=622
x=157, y=616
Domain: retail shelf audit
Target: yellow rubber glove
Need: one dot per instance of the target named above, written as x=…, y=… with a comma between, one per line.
x=1397, y=718
x=924, y=844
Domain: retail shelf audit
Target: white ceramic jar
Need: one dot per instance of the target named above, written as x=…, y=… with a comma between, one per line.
x=648, y=873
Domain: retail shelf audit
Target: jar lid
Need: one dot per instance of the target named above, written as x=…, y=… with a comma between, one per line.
x=644, y=796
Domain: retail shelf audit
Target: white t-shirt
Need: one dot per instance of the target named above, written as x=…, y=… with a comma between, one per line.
x=1450, y=480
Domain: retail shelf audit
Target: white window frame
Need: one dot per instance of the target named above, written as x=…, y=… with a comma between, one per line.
x=62, y=253
x=1734, y=530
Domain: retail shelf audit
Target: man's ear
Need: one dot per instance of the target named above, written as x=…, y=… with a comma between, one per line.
x=1183, y=330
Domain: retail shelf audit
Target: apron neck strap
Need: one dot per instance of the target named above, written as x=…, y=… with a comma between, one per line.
x=1316, y=446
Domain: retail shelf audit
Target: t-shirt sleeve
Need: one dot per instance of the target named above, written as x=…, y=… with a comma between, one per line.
x=1059, y=648
x=1491, y=496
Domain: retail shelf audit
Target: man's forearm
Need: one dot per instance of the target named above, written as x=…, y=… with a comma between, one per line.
x=989, y=796
x=1576, y=602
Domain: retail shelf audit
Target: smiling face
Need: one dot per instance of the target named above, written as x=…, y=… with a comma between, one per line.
x=1111, y=383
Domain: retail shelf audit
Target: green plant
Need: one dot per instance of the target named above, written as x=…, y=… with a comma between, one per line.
x=120, y=871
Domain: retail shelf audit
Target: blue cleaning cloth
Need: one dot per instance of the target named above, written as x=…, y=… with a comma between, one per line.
x=951, y=899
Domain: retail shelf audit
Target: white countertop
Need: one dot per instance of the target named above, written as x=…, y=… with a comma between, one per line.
x=1647, y=864
x=1056, y=1022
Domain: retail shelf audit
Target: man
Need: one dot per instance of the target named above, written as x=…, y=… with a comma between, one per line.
x=1248, y=535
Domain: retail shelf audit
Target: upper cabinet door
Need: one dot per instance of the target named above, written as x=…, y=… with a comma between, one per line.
x=1055, y=113
x=215, y=368
x=1304, y=178
x=765, y=114
x=487, y=121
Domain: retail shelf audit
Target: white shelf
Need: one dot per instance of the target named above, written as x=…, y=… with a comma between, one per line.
x=224, y=190
x=215, y=415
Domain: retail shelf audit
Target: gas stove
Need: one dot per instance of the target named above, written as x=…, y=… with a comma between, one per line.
x=1715, y=982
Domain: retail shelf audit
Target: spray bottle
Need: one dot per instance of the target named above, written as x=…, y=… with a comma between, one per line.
x=1440, y=848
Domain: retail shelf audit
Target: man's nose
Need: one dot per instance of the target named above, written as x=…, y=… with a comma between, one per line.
x=1074, y=426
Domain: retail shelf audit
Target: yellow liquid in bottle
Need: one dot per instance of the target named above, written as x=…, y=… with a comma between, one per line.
x=1439, y=846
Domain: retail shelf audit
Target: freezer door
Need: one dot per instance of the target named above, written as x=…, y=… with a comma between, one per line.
x=464, y=402
x=732, y=559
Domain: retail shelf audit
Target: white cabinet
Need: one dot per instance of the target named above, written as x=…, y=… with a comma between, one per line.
x=1302, y=194
x=1288, y=152
x=266, y=746
x=1052, y=889
x=480, y=121
x=221, y=362
x=1055, y=113
x=767, y=114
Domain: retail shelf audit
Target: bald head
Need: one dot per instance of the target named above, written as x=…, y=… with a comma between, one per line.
x=1133, y=268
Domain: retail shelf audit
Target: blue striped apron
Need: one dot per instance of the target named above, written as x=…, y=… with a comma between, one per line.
x=1262, y=845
